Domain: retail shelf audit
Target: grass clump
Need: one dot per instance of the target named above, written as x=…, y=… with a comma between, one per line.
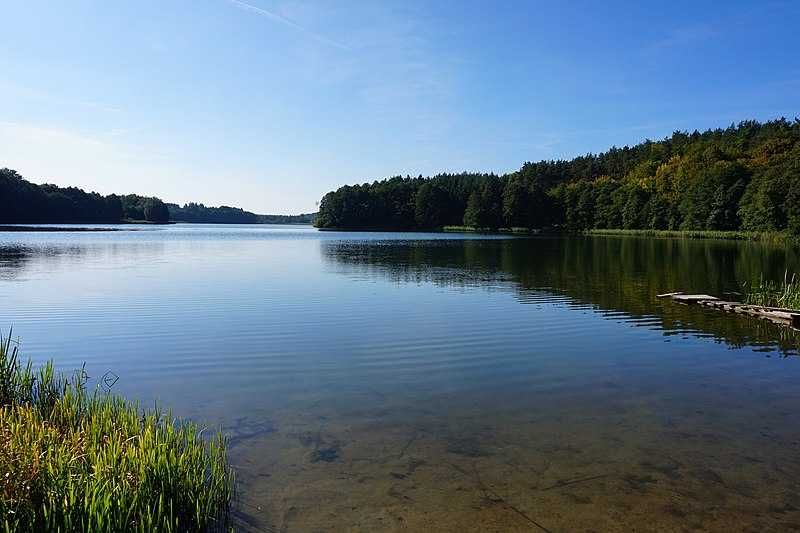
x=768, y=293
x=767, y=237
x=71, y=460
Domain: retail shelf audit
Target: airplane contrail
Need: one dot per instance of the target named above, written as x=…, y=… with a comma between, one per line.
x=286, y=22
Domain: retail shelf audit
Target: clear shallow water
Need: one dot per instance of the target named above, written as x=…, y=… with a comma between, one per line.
x=382, y=382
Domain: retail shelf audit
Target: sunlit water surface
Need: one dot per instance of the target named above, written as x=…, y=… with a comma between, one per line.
x=438, y=382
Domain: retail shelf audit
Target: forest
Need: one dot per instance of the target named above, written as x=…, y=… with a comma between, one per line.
x=194, y=212
x=24, y=202
x=744, y=177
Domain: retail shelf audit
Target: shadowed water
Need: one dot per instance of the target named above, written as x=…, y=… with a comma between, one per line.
x=439, y=382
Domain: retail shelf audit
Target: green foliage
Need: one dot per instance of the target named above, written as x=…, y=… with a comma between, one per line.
x=764, y=237
x=399, y=203
x=302, y=218
x=24, y=202
x=793, y=211
x=633, y=214
x=485, y=205
x=517, y=204
x=199, y=213
x=75, y=461
x=745, y=177
x=473, y=213
x=610, y=199
x=430, y=205
x=143, y=208
x=771, y=198
x=155, y=211
x=784, y=294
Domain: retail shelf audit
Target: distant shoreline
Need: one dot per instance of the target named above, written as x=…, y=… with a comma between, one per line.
x=55, y=229
x=445, y=229
x=102, y=227
x=733, y=235
x=773, y=237
x=776, y=237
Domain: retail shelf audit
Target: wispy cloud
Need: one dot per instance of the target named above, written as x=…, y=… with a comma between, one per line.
x=100, y=106
x=286, y=22
x=40, y=95
x=684, y=36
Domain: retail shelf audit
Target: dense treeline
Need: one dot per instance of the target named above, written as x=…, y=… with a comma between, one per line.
x=23, y=202
x=303, y=218
x=193, y=212
x=405, y=203
x=143, y=208
x=744, y=177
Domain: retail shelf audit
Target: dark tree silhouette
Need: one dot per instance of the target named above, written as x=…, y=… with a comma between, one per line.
x=24, y=202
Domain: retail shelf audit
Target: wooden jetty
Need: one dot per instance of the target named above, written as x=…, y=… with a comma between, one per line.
x=784, y=317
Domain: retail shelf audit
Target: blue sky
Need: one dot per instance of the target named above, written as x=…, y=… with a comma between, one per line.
x=269, y=104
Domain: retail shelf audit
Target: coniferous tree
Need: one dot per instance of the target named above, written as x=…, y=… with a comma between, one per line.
x=740, y=177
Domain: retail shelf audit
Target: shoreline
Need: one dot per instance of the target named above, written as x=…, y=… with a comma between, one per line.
x=776, y=237
x=103, y=227
x=445, y=229
x=52, y=229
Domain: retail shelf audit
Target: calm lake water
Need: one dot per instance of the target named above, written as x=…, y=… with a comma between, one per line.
x=438, y=382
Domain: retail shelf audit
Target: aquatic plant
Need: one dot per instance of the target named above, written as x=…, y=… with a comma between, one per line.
x=75, y=460
x=773, y=237
x=785, y=294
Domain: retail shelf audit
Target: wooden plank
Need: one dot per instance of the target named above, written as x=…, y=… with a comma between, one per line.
x=693, y=298
x=786, y=317
x=780, y=309
x=718, y=303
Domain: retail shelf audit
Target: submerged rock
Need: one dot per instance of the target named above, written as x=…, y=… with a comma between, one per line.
x=327, y=455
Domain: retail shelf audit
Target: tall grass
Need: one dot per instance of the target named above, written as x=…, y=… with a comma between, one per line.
x=768, y=237
x=74, y=460
x=769, y=293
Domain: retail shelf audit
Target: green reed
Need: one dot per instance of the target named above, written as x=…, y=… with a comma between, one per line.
x=768, y=237
x=769, y=293
x=74, y=460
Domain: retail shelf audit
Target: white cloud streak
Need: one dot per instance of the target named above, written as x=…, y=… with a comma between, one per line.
x=286, y=22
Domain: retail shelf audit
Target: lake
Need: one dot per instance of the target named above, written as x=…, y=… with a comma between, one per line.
x=434, y=381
